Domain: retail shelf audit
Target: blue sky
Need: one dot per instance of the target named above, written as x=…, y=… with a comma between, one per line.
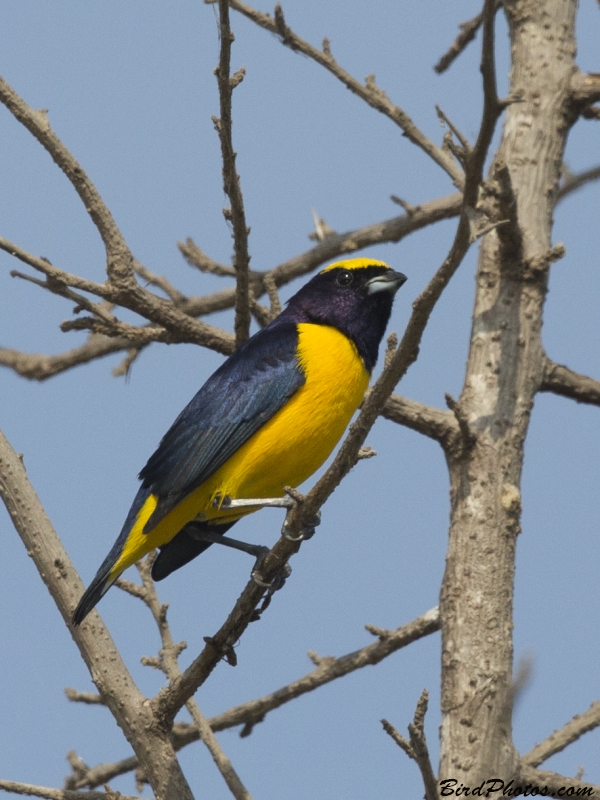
x=130, y=90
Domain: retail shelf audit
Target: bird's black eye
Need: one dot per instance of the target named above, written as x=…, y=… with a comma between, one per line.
x=344, y=278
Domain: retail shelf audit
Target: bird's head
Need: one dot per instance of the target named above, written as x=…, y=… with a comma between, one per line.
x=354, y=296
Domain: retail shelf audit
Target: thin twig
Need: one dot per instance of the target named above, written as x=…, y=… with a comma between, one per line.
x=572, y=182
x=40, y=367
x=468, y=437
x=89, y=698
x=231, y=180
x=492, y=107
x=161, y=283
x=368, y=92
x=177, y=325
x=417, y=747
x=198, y=258
x=467, y=34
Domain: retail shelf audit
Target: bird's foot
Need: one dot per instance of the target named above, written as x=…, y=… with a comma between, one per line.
x=279, y=579
x=274, y=586
x=306, y=533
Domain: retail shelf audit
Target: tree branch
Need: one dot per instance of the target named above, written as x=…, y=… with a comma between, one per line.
x=231, y=180
x=417, y=747
x=573, y=182
x=168, y=663
x=60, y=794
x=40, y=367
x=253, y=712
x=467, y=33
x=555, y=782
x=585, y=91
x=561, y=380
x=433, y=422
x=197, y=258
x=176, y=322
x=369, y=91
x=563, y=737
x=119, y=260
x=109, y=673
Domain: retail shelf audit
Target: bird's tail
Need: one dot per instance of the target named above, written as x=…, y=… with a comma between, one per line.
x=97, y=588
x=107, y=575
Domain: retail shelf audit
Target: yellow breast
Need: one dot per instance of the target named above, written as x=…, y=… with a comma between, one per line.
x=286, y=450
x=296, y=441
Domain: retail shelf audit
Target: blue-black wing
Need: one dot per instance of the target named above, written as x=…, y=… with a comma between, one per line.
x=245, y=392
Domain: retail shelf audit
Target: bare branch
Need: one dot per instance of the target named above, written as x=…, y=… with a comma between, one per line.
x=177, y=323
x=161, y=283
x=119, y=264
x=400, y=740
x=322, y=229
x=585, y=91
x=368, y=92
x=492, y=107
x=51, y=272
x=433, y=422
x=417, y=747
x=112, y=679
x=60, y=794
x=467, y=33
x=561, y=380
x=391, y=230
x=89, y=698
x=563, y=737
x=554, y=782
x=231, y=180
x=254, y=711
x=198, y=258
x=467, y=435
x=168, y=663
x=573, y=182
x=40, y=367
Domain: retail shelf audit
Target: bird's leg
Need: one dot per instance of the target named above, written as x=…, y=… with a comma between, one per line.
x=259, y=551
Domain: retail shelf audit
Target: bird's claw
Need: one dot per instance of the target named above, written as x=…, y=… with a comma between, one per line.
x=306, y=533
x=278, y=581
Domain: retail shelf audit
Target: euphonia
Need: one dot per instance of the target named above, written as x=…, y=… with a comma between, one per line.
x=267, y=418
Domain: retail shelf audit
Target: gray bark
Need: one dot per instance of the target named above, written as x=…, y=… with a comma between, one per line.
x=505, y=369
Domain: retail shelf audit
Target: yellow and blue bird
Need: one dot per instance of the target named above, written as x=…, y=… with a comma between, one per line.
x=268, y=418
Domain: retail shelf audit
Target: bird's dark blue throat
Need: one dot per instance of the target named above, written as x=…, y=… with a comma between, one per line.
x=358, y=302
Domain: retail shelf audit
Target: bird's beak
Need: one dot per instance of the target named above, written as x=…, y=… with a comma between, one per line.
x=390, y=281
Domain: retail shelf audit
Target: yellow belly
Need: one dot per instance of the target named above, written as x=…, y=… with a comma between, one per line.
x=286, y=451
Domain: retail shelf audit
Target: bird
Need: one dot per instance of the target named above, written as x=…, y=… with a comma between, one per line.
x=266, y=419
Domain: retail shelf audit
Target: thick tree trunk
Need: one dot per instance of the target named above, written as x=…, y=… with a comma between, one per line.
x=504, y=372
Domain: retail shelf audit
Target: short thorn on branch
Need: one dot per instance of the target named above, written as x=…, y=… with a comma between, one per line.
x=410, y=209
x=322, y=229
x=468, y=438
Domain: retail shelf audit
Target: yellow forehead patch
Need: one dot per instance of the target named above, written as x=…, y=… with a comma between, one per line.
x=355, y=263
